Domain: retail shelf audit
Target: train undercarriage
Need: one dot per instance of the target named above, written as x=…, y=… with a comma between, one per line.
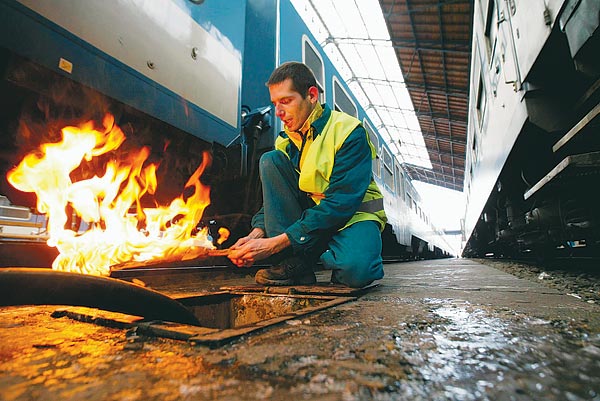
x=545, y=201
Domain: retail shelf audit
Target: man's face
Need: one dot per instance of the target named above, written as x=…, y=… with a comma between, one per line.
x=290, y=106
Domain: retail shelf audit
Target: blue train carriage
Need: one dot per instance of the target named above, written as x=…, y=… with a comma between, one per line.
x=410, y=233
x=532, y=150
x=170, y=71
x=175, y=60
x=180, y=76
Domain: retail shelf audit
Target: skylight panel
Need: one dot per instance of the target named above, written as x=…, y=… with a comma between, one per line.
x=373, y=19
x=350, y=17
x=413, y=123
x=358, y=91
x=355, y=37
x=373, y=94
x=387, y=55
x=331, y=18
x=388, y=96
x=339, y=60
x=386, y=117
x=372, y=113
x=354, y=60
x=370, y=58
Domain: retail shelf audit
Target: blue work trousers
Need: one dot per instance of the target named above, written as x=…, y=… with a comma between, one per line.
x=353, y=254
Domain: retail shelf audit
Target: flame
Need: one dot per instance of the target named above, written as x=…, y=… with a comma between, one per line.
x=114, y=235
x=223, y=235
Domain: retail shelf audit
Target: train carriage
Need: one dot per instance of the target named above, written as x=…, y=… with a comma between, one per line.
x=181, y=77
x=532, y=159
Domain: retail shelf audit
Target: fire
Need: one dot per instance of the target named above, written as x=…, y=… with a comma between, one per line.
x=114, y=235
x=223, y=235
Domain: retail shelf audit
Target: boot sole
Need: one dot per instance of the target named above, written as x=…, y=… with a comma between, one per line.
x=307, y=280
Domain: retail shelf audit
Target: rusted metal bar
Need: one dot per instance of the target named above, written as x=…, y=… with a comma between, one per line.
x=218, y=252
x=175, y=261
x=31, y=286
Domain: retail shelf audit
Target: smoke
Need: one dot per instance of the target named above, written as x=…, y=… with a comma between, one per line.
x=40, y=103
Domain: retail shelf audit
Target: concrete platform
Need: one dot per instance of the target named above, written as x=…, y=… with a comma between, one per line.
x=448, y=329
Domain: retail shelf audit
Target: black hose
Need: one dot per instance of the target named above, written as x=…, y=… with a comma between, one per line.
x=31, y=286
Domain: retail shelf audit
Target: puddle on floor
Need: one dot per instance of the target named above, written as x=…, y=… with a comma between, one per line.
x=471, y=354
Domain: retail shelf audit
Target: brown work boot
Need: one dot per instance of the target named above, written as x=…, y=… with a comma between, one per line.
x=291, y=271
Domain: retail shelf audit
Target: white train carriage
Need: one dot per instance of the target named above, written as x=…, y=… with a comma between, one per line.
x=533, y=150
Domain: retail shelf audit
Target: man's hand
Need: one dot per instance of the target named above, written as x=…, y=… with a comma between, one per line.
x=254, y=247
x=254, y=234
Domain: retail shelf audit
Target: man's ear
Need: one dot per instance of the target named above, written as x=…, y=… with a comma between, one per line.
x=313, y=94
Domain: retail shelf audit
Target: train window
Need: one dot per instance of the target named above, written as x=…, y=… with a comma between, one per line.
x=491, y=25
x=314, y=61
x=399, y=181
x=470, y=177
x=375, y=141
x=481, y=101
x=512, y=5
x=474, y=151
x=484, y=8
x=388, y=172
x=341, y=100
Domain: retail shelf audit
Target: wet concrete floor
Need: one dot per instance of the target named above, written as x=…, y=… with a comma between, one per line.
x=449, y=329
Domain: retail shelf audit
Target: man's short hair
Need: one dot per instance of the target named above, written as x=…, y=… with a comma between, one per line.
x=301, y=76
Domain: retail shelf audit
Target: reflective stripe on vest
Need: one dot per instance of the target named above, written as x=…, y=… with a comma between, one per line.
x=371, y=206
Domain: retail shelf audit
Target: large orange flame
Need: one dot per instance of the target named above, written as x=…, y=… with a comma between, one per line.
x=114, y=234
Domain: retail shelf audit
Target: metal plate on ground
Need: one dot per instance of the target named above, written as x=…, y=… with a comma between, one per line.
x=223, y=316
x=317, y=289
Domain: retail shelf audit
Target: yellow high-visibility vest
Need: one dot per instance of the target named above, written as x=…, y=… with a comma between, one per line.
x=318, y=164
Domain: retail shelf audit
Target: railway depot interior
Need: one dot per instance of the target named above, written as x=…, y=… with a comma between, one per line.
x=504, y=103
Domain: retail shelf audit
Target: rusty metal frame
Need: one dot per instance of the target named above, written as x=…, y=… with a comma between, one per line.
x=197, y=334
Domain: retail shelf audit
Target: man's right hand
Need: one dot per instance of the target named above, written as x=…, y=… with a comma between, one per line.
x=254, y=247
x=235, y=254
